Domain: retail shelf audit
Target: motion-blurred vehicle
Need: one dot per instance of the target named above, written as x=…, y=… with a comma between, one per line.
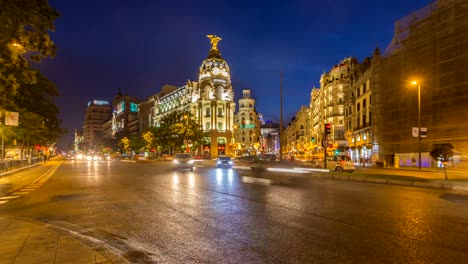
x=183, y=161
x=246, y=160
x=338, y=163
x=224, y=162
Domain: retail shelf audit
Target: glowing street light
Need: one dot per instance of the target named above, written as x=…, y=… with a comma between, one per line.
x=419, y=121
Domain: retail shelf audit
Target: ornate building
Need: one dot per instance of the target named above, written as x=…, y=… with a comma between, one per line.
x=247, y=124
x=335, y=87
x=210, y=101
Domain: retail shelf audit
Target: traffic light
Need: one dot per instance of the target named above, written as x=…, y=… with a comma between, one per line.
x=327, y=129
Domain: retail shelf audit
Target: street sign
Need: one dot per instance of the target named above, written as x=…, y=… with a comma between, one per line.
x=415, y=131
x=325, y=143
x=423, y=131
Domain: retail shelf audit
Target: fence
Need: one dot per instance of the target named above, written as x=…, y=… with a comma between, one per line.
x=10, y=164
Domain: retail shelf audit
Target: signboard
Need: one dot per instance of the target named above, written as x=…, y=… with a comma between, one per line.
x=325, y=143
x=423, y=131
x=416, y=130
x=11, y=118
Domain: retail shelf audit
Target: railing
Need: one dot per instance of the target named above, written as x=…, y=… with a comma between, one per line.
x=10, y=164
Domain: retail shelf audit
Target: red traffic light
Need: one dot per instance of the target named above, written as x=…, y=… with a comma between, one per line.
x=328, y=128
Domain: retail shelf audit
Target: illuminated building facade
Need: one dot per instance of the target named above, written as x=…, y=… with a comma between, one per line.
x=210, y=101
x=125, y=117
x=96, y=114
x=270, y=137
x=298, y=134
x=247, y=127
x=335, y=86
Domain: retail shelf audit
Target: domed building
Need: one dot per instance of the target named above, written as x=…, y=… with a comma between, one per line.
x=210, y=100
x=213, y=102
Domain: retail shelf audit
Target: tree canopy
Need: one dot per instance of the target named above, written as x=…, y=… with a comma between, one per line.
x=176, y=130
x=24, y=38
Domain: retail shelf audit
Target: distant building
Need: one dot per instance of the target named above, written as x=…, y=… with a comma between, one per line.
x=125, y=117
x=247, y=127
x=96, y=114
x=270, y=140
x=298, y=134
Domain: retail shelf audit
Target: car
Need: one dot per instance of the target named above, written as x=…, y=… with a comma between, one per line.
x=224, y=162
x=183, y=161
x=338, y=163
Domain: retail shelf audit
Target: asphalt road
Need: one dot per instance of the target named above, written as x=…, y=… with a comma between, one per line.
x=148, y=213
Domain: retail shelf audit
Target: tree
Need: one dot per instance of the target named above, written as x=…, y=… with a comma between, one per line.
x=24, y=37
x=443, y=153
x=38, y=113
x=176, y=130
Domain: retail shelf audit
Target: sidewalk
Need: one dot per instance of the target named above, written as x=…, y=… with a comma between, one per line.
x=28, y=242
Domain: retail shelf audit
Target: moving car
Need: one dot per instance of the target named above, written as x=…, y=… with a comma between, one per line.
x=224, y=162
x=183, y=161
x=338, y=163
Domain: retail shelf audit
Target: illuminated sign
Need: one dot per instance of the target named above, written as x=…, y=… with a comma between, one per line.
x=98, y=102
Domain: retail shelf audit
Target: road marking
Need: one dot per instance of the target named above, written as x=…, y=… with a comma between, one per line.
x=256, y=180
x=20, y=193
x=9, y=197
x=30, y=187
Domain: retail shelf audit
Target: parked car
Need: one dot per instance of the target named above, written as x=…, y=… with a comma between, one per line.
x=338, y=163
x=183, y=161
x=224, y=162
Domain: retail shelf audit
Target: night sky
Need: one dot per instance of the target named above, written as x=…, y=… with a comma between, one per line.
x=138, y=46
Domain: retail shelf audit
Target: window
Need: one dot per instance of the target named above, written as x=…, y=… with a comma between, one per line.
x=358, y=91
x=220, y=126
x=358, y=107
x=364, y=87
x=220, y=111
x=207, y=126
x=364, y=103
x=207, y=112
x=133, y=107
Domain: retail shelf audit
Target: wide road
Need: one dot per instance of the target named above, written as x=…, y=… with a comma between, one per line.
x=148, y=213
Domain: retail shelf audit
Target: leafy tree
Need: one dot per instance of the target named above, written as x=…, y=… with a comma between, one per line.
x=137, y=143
x=176, y=130
x=124, y=144
x=24, y=27
x=39, y=119
x=444, y=153
x=24, y=38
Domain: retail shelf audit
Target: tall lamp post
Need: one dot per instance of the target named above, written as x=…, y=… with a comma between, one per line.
x=419, y=121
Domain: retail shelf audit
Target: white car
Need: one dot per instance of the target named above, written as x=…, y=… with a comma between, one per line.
x=183, y=161
x=337, y=163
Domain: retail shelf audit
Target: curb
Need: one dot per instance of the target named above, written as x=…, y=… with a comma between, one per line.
x=430, y=184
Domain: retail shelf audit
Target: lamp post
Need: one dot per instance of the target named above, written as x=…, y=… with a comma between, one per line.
x=419, y=122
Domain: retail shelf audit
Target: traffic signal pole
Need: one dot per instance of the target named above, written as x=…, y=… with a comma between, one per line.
x=325, y=146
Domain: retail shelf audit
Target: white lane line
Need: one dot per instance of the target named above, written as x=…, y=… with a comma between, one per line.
x=27, y=189
x=9, y=197
x=20, y=193
x=256, y=180
x=2, y=202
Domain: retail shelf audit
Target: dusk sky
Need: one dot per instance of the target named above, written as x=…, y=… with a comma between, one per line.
x=138, y=46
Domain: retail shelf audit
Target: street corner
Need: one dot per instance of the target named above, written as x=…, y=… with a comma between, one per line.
x=27, y=241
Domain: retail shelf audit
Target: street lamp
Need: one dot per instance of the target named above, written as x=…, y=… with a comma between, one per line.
x=419, y=121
